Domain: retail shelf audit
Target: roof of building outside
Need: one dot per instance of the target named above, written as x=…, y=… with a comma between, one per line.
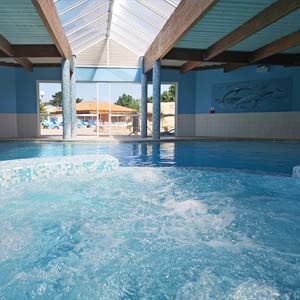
x=103, y=107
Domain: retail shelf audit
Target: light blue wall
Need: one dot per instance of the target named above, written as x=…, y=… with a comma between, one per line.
x=7, y=90
x=206, y=80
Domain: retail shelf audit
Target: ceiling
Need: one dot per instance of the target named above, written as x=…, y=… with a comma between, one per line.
x=131, y=23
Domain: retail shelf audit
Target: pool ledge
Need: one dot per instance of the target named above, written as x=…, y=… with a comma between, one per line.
x=296, y=172
x=25, y=170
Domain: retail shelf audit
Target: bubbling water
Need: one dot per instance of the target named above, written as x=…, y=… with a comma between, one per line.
x=152, y=233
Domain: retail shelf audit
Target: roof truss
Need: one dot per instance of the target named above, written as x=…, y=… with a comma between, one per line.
x=265, y=18
x=49, y=15
x=287, y=42
x=188, y=12
x=18, y=51
x=7, y=49
x=237, y=57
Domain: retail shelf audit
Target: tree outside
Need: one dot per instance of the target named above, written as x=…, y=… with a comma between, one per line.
x=42, y=107
x=166, y=96
x=57, y=100
x=128, y=101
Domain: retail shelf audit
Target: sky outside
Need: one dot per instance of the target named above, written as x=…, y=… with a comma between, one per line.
x=88, y=91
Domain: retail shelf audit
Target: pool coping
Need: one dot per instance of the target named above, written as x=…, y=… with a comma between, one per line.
x=131, y=139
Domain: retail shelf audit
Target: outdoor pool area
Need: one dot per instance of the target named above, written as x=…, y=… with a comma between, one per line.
x=180, y=220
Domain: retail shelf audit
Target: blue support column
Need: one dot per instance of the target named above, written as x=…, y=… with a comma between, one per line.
x=144, y=98
x=73, y=100
x=66, y=99
x=156, y=100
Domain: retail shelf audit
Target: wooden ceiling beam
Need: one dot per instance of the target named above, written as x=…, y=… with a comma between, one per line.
x=287, y=42
x=189, y=66
x=36, y=51
x=17, y=65
x=187, y=13
x=47, y=11
x=280, y=45
x=200, y=68
x=33, y=51
x=6, y=48
x=271, y=14
x=242, y=57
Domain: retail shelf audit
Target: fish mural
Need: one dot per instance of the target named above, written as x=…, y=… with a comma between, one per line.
x=253, y=96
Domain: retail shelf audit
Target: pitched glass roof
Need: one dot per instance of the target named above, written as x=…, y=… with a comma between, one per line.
x=132, y=23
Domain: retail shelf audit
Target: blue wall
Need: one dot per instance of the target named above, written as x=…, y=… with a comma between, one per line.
x=186, y=89
x=195, y=89
x=27, y=86
x=19, y=87
x=207, y=82
x=7, y=90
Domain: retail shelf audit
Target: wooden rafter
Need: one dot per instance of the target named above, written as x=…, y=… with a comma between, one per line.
x=7, y=49
x=187, y=13
x=189, y=65
x=242, y=57
x=271, y=14
x=47, y=11
x=200, y=68
x=280, y=45
x=33, y=51
x=41, y=65
x=265, y=18
x=277, y=46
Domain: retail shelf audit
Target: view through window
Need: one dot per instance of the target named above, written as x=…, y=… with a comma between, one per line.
x=105, y=108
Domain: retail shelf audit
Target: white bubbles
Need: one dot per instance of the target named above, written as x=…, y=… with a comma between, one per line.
x=146, y=233
x=186, y=208
x=146, y=175
x=13, y=240
x=207, y=287
x=253, y=290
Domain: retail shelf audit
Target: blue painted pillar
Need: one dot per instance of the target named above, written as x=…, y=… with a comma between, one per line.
x=73, y=100
x=66, y=99
x=144, y=98
x=156, y=100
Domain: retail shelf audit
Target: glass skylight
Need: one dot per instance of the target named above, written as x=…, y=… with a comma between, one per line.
x=131, y=23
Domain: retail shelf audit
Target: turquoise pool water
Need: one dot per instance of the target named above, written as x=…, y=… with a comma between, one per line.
x=167, y=230
x=269, y=157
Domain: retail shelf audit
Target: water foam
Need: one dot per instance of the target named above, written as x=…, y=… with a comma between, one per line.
x=253, y=290
x=182, y=234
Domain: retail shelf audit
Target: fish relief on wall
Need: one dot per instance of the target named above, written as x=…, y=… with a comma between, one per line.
x=253, y=96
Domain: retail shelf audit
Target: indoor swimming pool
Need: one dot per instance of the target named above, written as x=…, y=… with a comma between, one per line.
x=268, y=157
x=186, y=220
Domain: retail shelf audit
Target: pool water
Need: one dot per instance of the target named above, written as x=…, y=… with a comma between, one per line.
x=187, y=225
x=269, y=157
